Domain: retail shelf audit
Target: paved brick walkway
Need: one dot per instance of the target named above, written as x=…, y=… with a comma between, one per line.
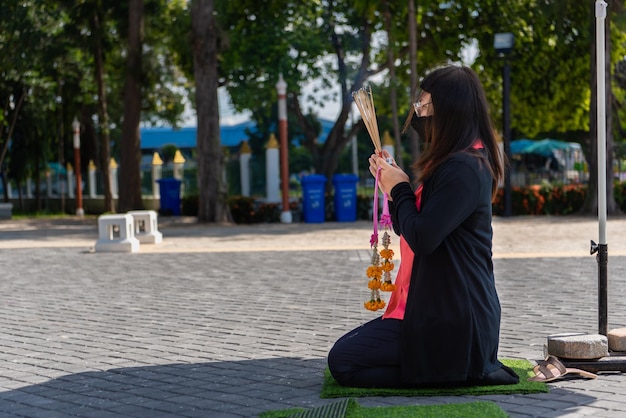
x=231, y=321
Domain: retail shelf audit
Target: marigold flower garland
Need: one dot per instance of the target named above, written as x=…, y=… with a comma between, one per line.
x=379, y=272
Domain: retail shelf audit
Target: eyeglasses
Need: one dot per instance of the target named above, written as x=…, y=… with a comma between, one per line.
x=419, y=105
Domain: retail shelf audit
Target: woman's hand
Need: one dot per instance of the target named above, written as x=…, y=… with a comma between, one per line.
x=390, y=173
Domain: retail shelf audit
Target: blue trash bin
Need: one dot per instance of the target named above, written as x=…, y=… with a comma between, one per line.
x=345, y=197
x=313, y=202
x=169, y=188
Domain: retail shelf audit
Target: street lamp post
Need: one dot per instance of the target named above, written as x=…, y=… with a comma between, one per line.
x=503, y=44
x=281, y=88
x=79, y=190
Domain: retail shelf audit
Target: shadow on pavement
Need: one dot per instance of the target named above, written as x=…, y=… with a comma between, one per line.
x=240, y=388
x=229, y=388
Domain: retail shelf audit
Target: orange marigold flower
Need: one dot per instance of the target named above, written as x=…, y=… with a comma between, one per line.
x=374, y=305
x=370, y=305
x=374, y=272
x=387, y=287
x=374, y=284
x=386, y=253
x=387, y=266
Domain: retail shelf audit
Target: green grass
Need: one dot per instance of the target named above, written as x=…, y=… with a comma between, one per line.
x=17, y=214
x=523, y=368
x=354, y=410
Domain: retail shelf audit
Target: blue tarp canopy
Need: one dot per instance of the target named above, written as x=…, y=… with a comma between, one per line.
x=56, y=169
x=547, y=147
x=565, y=154
x=543, y=147
x=520, y=144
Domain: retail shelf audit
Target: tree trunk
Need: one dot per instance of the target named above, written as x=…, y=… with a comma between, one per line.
x=212, y=204
x=38, y=159
x=103, y=118
x=413, y=138
x=61, y=140
x=16, y=112
x=591, y=202
x=3, y=175
x=130, y=155
x=392, y=88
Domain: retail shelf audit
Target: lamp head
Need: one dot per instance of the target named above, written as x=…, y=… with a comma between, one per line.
x=503, y=42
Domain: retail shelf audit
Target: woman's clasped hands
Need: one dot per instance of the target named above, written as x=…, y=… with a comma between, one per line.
x=390, y=173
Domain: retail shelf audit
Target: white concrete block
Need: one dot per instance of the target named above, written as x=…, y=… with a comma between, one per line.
x=116, y=234
x=145, y=225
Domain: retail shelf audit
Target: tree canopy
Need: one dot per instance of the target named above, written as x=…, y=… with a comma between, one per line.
x=50, y=70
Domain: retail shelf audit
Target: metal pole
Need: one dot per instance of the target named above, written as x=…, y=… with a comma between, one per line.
x=506, y=116
x=602, y=256
x=79, y=190
x=281, y=87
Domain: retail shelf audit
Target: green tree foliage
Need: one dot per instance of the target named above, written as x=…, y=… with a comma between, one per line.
x=341, y=44
x=550, y=63
x=35, y=86
x=63, y=59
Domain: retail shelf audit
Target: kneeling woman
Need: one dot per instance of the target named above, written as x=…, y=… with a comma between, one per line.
x=442, y=324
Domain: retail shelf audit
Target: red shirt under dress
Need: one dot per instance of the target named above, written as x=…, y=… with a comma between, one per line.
x=397, y=301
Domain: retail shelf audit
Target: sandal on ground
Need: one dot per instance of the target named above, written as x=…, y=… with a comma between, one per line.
x=551, y=369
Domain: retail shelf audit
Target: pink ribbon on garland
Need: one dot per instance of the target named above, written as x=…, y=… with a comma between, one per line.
x=374, y=238
x=385, y=219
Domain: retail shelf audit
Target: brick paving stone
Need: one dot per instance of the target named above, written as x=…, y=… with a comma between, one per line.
x=235, y=320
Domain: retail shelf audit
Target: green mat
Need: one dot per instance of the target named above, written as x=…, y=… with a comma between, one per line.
x=523, y=368
x=349, y=408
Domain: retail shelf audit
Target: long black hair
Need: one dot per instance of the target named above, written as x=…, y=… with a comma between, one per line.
x=460, y=117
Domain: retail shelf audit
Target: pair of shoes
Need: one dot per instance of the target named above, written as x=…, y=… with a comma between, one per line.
x=551, y=369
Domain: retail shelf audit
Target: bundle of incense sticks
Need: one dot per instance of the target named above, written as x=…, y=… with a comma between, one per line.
x=365, y=103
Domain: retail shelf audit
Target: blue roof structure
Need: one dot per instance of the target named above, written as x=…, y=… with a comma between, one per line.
x=157, y=138
x=231, y=136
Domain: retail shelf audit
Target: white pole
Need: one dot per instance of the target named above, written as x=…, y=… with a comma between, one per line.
x=92, y=179
x=245, y=153
x=113, y=178
x=602, y=247
x=80, y=211
x=157, y=172
x=601, y=94
x=389, y=144
x=355, y=156
x=70, y=180
x=272, y=175
x=29, y=188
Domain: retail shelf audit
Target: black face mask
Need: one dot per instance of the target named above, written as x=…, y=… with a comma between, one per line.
x=421, y=126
